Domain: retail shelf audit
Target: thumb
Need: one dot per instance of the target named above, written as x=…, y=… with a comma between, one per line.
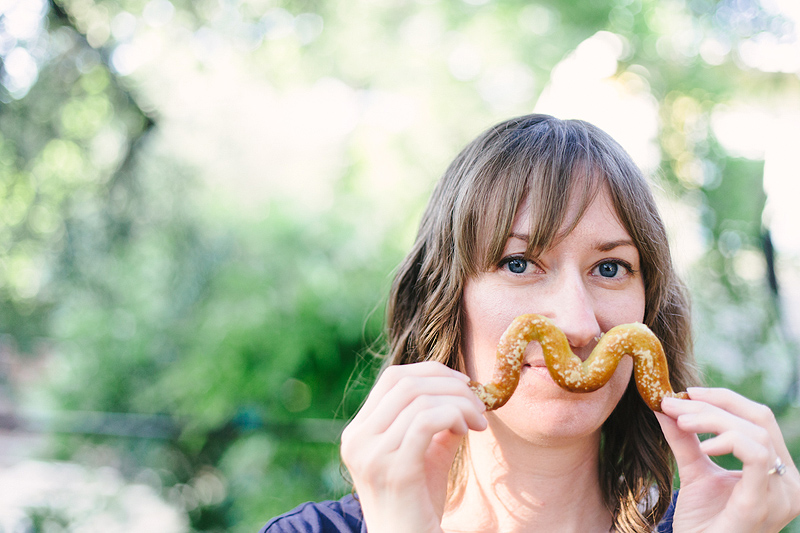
x=438, y=461
x=685, y=446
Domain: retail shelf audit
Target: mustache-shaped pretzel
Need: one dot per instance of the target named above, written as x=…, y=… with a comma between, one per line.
x=636, y=340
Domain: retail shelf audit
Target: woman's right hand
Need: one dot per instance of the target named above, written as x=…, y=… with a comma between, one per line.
x=401, y=444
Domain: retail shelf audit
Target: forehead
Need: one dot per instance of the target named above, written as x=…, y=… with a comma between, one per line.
x=519, y=200
x=597, y=221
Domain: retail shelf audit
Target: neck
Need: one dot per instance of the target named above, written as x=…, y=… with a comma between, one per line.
x=553, y=486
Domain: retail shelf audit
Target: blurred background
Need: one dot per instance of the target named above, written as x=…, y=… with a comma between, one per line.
x=202, y=204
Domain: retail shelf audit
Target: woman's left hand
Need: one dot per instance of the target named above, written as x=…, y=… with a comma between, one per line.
x=762, y=496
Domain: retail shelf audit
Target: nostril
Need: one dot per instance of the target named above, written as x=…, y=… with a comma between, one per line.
x=582, y=339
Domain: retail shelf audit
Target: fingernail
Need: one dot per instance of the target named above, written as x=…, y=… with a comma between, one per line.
x=460, y=375
x=668, y=400
x=671, y=400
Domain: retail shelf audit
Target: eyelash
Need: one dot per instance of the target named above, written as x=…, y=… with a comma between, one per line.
x=624, y=264
x=619, y=262
x=506, y=260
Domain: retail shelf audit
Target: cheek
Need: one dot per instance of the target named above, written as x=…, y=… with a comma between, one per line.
x=624, y=308
x=485, y=320
x=475, y=344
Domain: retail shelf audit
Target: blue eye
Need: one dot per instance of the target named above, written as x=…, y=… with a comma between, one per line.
x=517, y=265
x=608, y=270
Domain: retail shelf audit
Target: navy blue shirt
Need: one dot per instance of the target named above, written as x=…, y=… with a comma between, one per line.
x=344, y=516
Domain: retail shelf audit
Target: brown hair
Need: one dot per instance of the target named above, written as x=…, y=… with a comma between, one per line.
x=463, y=232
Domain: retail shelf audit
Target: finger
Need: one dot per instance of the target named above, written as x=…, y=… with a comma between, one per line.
x=401, y=451
x=396, y=373
x=398, y=454
x=743, y=447
x=429, y=408
x=755, y=412
x=734, y=434
x=424, y=426
x=756, y=460
x=707, y=418
x=746, y=440
x=692, y=461
x=392, y=374
x=732, y=402
x=409, y=389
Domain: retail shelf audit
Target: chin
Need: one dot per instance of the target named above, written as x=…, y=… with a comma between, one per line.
x=556, y=414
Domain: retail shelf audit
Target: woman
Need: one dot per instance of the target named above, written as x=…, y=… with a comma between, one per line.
x=539, y=215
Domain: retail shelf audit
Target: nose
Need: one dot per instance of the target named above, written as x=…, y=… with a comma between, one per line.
x=572, y=309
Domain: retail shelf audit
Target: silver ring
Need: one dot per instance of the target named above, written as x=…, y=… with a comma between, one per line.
x=779, y=468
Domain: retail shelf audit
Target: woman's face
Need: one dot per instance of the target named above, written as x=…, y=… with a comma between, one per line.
x=588, y=282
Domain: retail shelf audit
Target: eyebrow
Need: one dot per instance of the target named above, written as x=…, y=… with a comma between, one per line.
x=608, y=246
x=602, y=246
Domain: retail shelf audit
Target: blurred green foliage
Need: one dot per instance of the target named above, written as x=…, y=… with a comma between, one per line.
x=253, y=333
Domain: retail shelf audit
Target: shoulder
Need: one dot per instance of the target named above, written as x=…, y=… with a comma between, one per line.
x=340, y=516
x=665, y=526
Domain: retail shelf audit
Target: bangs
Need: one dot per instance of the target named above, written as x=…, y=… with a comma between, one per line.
x=545, y=165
